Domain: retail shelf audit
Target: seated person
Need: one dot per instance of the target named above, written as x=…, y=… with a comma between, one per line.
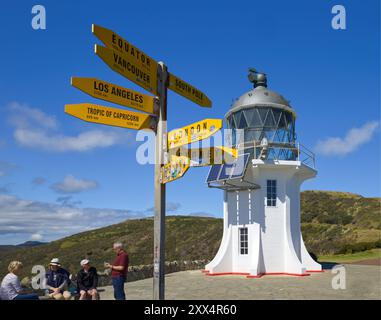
x=87, y=281
x=57, y=281
x=11, y=287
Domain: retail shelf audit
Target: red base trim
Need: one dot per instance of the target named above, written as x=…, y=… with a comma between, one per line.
x=207, y=273
x=227, y=274
x=279, y=274
x=315, y=270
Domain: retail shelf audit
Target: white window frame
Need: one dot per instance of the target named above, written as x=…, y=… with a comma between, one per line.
x=273, y=192
x=243, y=243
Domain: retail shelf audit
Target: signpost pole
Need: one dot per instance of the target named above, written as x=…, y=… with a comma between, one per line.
x=159, y=219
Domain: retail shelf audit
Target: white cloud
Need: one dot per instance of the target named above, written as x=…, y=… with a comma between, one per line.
x=36, y=237
x=23, y=116
x=354, y=138
x=84, y=141
x=20, y=219
x=70, y=184
x=37, y=130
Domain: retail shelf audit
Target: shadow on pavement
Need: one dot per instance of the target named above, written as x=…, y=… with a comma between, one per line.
x=328, y=265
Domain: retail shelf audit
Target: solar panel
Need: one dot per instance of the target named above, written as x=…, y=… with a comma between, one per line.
x=233, y=170
x=239, y=166
x=214, y=172
x=225, y=172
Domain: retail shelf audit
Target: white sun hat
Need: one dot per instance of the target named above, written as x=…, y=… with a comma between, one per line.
x=55, y=262
x=84, y=262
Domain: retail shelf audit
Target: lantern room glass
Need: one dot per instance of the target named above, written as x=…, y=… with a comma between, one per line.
x=274, y=124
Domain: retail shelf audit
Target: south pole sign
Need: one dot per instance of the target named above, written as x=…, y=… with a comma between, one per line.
x=188, y=91
x=135, y=65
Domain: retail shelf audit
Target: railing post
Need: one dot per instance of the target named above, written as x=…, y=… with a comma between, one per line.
x=298, y=151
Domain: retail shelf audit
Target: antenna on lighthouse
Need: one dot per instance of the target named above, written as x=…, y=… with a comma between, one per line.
x=259, y=79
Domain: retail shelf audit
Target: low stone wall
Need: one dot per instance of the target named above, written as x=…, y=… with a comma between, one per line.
x=146, y=271
x=137, y=272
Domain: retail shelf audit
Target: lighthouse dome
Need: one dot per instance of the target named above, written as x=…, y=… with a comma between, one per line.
x=264, y=116
x=260, y=96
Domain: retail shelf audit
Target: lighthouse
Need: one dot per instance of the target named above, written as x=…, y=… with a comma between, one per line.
x=261, y=190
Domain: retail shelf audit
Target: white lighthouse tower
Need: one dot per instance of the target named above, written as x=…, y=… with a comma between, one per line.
x=261, y=205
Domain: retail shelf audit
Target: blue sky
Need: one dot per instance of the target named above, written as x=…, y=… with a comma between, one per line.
x=331, y=77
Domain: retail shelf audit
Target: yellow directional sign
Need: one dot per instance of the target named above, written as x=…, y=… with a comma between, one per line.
x=175, y=169
x=194, y=132
x=126, y=66
x=114, y=41
x=116, y=94
x=188, y=91
x=111, y=116
x=206, y=156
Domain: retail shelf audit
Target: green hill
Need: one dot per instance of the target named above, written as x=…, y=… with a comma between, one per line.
x=187, y=238
x=338, y=222
x=332, y=223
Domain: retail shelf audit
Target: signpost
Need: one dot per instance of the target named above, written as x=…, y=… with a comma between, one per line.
x=116, y=94
x=188, y=91
x=182, y=158
x=207, y=156
x=175, y=169
x=126, y=66
x=129, y=61
x=159, y=218
x=193, y=132
x=113, y=41
x=111, y=116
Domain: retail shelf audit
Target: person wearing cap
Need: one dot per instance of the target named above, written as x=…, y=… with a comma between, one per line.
x=87, y=281
x=119, y=270
x=57, y=281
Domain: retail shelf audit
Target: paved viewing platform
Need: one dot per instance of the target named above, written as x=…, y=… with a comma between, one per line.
x=362, y=282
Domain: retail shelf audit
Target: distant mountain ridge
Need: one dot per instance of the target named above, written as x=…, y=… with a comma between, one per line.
x=26, y=244
x=332, y=222
x=31, y=244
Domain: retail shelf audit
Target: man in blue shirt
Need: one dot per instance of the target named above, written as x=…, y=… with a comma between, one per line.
x=57, y=281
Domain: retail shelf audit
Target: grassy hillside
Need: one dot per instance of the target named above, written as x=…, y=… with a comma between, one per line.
x=352, y=257
x=26, y=244
x=339, y=223
x=332, y=223
x=187, y=238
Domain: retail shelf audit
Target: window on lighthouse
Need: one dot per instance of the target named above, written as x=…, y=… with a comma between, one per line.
x=271, y=193
x=243, y=241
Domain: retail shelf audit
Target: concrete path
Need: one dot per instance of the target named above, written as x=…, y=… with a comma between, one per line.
x=362, y=282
